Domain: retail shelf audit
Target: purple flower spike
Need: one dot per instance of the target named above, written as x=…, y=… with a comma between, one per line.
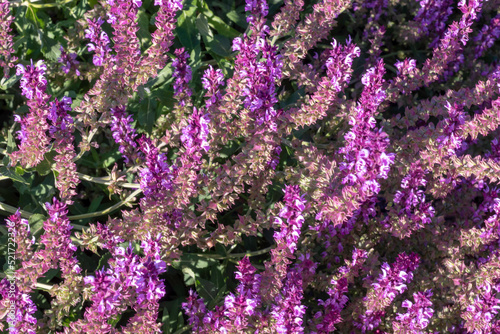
x=288, y=309
x=124, y=134
x=99, y=41
x=33, y=82
x=418, y=315
x=182, y=74
x=69, y=62
x=195, y=135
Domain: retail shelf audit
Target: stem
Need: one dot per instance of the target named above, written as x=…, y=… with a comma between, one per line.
x=105, y=180
x=108, y=210
x=236, y=255
x=10, y=209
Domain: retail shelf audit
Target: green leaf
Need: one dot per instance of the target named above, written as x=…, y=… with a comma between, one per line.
x=50, y=274
x=95, y=203
x=186, y=29
x=143, y=34
x=165, y=320
x=36, y=224
x=41, y=301
x=31, y=14
x=218, y=24
x=43, y=168
x=147, y=113
x=103, y=261
x=202, y=25
x=220, y=45
x=189, y=276
x=14, y=176
x=207, y=290
x=6, y=83
x=237, y=18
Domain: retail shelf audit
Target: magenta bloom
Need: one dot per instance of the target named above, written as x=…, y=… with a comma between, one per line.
x=69, y=62
x=33, y=82
x=99, y=41
x=418, y=315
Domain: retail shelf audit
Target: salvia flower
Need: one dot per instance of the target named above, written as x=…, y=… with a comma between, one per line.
x=288, y=310
x=195, y=135
x=61, y=130
x=33, y=82
x=212, y=80
x=124, y=134
x=240, y=307
x=182, y=74
x=333, y=306
x=411, y=212
x=24, y=321
x=392, y=281
x=450, y=139
x=99, y=41
x=195, y=309
x=57, y=238
x=286, y=240
x=432, y=15
x=480, y=315
x=68, y=62
x=364, y=152
x=487, y=36
x=157, y=176
x=7, y=58
x=418, y=314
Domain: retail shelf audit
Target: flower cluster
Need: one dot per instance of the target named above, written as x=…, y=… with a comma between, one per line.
x=61, y=130
x=387, y=146
x=195, y=134
x=212, y=79
x=410, y=212
x=24, y=320
x=157, y=176
x=99, y=41
x=418, y=314
x=33, y=83
x=392, y=281
x=33, y=136
x=7, y=58
x=364, y=152
x=480, y=315
x=123, y=133
x=69, y=62
x=182, y=75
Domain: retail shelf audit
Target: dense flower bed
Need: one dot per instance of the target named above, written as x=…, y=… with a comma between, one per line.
x=250, y=167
